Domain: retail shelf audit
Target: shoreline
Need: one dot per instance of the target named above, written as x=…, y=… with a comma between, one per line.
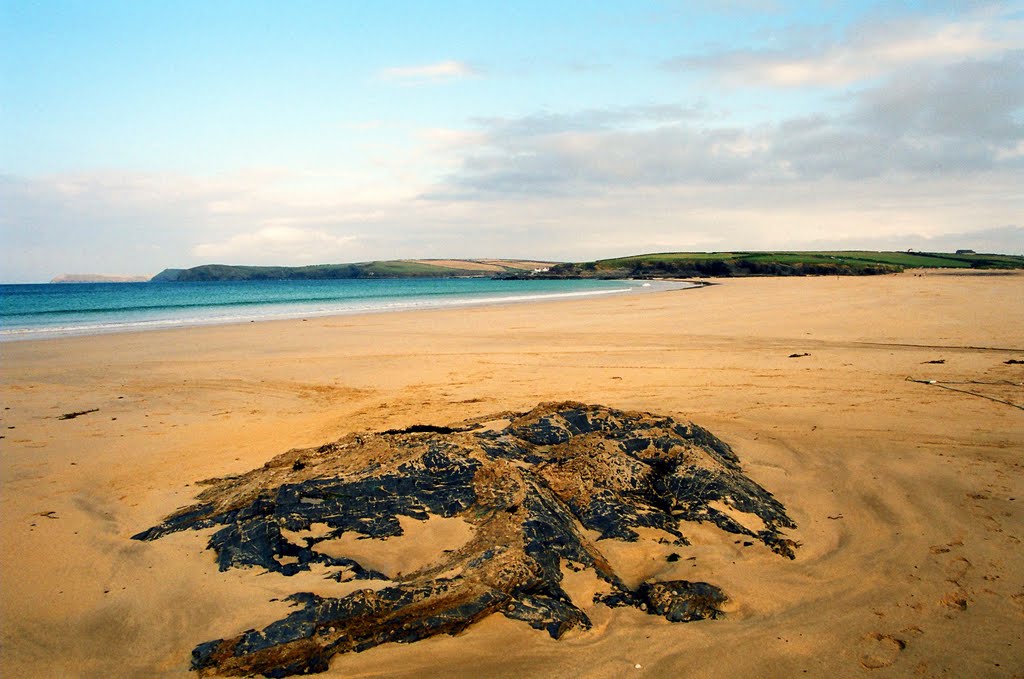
x=277, y=311
x=907, y=497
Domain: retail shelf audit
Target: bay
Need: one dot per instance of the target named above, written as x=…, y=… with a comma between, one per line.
x=36, y=311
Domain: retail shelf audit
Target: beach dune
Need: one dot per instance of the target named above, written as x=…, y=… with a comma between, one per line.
x=907, y=495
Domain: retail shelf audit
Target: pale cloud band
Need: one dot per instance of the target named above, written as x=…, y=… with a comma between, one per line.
x=865, y=51
x=277, y=244
x=918, y=124
x=441, y=71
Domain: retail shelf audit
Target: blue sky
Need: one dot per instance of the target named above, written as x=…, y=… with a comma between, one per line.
x=136, y=136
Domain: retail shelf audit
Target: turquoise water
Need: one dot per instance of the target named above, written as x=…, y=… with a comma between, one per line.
x=61, y=309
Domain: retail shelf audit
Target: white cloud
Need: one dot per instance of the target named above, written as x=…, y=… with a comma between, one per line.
x=274, y=244
x=139, y=223
x=429, y=73
x=953, y=120
x=867, y=51
x=443, y=139
x=106, y=227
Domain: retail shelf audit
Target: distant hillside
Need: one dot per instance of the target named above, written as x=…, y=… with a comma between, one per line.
x=97, y=278
x=667, y=264
x=725, y=264
x=433, y=268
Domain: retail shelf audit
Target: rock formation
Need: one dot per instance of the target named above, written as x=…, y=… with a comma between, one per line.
x=540, y=491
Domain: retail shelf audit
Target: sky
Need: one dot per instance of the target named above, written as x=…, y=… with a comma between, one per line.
x=136, y=136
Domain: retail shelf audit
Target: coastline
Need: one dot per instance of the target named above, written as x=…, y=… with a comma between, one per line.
x=901, y=491
x=258, y=309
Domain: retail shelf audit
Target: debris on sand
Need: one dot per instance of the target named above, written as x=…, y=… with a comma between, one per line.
x=540, y=489
x=71, y=416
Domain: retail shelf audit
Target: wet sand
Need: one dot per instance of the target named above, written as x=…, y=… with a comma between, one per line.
x=908, y=497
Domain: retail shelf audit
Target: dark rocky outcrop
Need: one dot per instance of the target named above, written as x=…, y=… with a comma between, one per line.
x=540, y=490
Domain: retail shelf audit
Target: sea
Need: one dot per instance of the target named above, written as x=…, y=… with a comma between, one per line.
x=38, y=311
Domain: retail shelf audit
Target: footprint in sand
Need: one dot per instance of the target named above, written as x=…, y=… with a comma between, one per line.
x=956, y=600
x=880, y=650
x=957, y=569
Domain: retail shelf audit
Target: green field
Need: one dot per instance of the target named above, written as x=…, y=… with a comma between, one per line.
x=381, y=269
x=663, y=264
x=783, y=263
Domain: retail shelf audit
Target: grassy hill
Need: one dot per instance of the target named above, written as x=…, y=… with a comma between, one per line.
x=665, y=264
x=846, y=262
x=403, y=268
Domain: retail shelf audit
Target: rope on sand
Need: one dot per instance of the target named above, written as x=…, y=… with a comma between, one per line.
x=945, y=385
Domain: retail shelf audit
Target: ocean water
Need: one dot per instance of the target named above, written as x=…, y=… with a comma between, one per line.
x=62, y=309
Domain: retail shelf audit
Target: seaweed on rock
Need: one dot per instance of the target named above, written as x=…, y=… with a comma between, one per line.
x=534, y=492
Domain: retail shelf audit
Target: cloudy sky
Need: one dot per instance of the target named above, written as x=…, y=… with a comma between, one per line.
x=136, y=136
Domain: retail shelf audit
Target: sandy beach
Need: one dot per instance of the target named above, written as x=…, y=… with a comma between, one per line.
x=908, y=497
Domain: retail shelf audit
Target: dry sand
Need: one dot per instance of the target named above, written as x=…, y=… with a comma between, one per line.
x=909, y=497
